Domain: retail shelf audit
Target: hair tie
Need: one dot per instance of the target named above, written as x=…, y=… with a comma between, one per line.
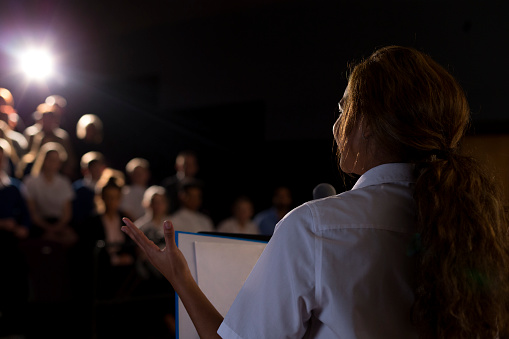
x=443, y=154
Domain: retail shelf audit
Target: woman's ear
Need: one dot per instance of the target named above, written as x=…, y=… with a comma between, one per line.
x=367, y=131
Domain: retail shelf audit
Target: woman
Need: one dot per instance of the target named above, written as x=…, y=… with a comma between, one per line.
x=418, y=247
x=113, y=251
x=50, y=194
x=155, y=203
x=106, y=223
x=241, y=219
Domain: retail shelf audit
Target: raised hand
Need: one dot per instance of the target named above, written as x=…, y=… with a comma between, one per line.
x=169, y=261
x=172, y=264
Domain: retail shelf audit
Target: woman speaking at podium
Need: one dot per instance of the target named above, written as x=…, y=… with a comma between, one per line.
x=417, y=249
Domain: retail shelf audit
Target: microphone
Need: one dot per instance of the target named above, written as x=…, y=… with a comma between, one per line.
x=323, y=190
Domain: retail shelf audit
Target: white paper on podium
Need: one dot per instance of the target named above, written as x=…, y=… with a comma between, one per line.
x=220, y=265
x=223, y=269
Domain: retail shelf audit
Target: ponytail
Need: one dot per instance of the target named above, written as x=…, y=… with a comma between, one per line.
x=418, y=113
x=463, y=266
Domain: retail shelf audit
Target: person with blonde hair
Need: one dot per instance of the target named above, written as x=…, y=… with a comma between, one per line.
x=155, y=203
x=50, y=194
x=418, y=248
x=89, y=135
x=138, y=173
x=90, y=129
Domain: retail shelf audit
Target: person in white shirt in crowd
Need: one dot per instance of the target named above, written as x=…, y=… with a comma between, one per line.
x=156, y=212
x=188, y=217
x=50, y=194
x=138, y=173
x=418, y=248
x=241, y=219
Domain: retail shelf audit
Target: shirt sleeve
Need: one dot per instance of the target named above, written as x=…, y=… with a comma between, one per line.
x=278, y=297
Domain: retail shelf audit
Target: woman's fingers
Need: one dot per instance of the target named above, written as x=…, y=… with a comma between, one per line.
x=169, y=234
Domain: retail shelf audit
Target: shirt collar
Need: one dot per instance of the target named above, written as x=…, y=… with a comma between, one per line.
x=386, y=173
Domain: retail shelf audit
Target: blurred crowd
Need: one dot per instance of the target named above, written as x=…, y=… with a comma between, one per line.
x=60, y=217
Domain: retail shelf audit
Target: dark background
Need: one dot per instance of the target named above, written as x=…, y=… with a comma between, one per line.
x=251, y=85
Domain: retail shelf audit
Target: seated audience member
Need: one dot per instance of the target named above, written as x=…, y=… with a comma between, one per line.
x=47, y=129
x=241, y=221
x=138, y=173
x=281, y=205
x=115, y=264
x=9, y=166
x=14, y=215
x=104, y=225
x=89, y=132
x=50, y=195
x=10, y=117
x=186, y=167
x=6, y=97
x=156, y=212
x=92, y=166
x=14, y=227
x=156, y=207
x=188, y=218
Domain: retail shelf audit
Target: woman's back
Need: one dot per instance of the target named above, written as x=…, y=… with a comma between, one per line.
x=345, y=261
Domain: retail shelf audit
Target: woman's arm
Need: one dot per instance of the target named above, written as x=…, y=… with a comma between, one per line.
x=172, y=264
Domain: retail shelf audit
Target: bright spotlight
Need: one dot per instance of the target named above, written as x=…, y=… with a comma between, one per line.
x=37, y=64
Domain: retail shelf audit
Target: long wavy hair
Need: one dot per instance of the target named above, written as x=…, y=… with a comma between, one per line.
x=419, y=113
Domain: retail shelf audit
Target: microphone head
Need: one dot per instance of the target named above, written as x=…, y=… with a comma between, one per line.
x=323, y=190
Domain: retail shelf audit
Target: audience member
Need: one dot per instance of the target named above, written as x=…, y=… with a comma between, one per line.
x=186, y=166
x=9, y=115
x=105, y=223
x=14, y=227
x=92, y=166
x=103, y=229
x=155, y=203
x=50, y=195
x=240, y=222
x=188, y=218
x=47, y=129
x=156, y=207
x=9, y=166
x=138, y=173
x=6, y=97
x=89, y=132
x=58, y=101
x=281, y=205
x=14, y=215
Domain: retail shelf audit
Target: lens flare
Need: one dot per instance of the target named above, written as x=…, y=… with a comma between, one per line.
x=37, y=64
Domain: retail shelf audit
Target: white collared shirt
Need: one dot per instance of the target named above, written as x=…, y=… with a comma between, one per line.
x=339, y=267
x=185, y=220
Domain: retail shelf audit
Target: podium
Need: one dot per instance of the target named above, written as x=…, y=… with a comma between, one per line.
x=220, y=264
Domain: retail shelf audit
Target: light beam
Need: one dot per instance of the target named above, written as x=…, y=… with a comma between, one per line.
x=37, y=64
